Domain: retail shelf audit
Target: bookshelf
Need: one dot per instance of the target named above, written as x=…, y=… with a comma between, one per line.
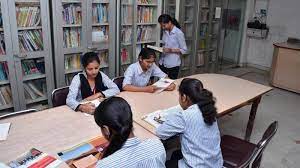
x=199, y=17
x=137, y=27
x=82, y=26
x=25, y=50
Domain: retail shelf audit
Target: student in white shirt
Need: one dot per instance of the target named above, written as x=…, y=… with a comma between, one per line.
x=114, y=117
x=90, y=85
x=137, y=75
x=196, y=126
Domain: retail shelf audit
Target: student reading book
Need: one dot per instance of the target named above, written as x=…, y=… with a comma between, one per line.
x=90, y=85
x=114, y=117
x=137, y=76
x=197, y=127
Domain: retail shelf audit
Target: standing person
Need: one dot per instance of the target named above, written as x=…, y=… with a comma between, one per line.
x=174, y=45
x=90, y=85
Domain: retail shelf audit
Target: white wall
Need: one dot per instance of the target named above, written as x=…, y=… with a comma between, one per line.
x=283, y=19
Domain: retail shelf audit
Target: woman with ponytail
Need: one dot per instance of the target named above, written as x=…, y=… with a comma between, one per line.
x=114, y=117
x=197, y=127
x=174, y=45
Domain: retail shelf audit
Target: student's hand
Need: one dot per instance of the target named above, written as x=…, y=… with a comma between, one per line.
x=171, y=87
x=150, y=89
x=95, y=96
x=167, y=50
x=88, y=108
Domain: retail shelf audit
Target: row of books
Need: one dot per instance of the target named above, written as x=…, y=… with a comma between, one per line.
x=72, y=37
x=147, y=1
x=28, y=16
x=33, y=66
x=34, y=89
x=126, y=34
x=72, y=14
x=2, y=44
x=202, y=44
x=203, y=30
x=126, y=14
x=72, y=61
x=3, y=71
x=100, y=34
x=145, y=33
x=146, y=14
x=5, y=95
x=100, y=13
x=31, y=40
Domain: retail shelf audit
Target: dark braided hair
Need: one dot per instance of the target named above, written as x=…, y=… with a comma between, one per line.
x=165, y=18
x=115, y=113
x=193, y=89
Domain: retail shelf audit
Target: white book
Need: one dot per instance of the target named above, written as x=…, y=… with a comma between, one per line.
x=96, y=102
x=156, y=118
x=4, y=128
x=159, y=49
x=162, y=84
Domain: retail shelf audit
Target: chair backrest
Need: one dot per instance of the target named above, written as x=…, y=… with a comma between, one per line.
x=261, y=145
x=59, y=96
x=119, y=82
x=18, y=113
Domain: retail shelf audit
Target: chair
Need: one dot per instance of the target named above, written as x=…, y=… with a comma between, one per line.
x=119, y=82
x=18, y=113
x=241, y=153
x=59, y=96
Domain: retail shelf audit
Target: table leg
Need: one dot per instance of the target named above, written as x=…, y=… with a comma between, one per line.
x=252, y=118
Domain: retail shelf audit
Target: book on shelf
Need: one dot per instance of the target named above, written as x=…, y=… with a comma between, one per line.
x=127, y=14
x=162, y=84
x=72, y=14
x=126, y=34
x=72, y=37
x=158, y=117
x=100, y=13
x=204, y=3
x=138, y=50
x=202, y=44
x=146, y=14
x=103, y=56
x=84, y=154
x=2, y=44
x=5, y=95
x=147, y=1
x=100, y=34
x=35, y=158
x=33, y=66
x=145, y=33
x=72, y=62
x=159, y=49
x=200, y=59
x=30, y=40
x=125, y=56
x=34, y=89
x=28, y=16
x=205, y=15
x=3, y=71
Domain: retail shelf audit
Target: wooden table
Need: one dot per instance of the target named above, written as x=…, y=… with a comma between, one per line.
x=231, y=93
x=51, y=131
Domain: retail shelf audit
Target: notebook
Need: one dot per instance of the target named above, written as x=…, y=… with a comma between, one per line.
x=162, y=84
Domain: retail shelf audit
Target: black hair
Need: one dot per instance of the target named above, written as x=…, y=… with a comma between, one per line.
x=165, y=18
x=116, y=114
x=88, y=58
x=146, y=53
x=193, y=89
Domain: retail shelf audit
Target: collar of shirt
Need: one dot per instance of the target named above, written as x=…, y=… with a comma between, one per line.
x=173, y=31
x=131, y=142
x=140, y=70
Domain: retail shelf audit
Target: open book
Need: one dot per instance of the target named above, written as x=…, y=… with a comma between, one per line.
x=158, y=117
x=162, y=84
x=96, y=102
x=35, y=159
x=159, y=49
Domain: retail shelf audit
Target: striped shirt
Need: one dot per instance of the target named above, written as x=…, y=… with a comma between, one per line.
x=134, y=75
x=173, y=39
x=136, y=154
x=200, y=143
x=74, y=96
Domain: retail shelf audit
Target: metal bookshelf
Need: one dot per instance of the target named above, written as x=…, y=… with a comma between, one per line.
x=95, y=33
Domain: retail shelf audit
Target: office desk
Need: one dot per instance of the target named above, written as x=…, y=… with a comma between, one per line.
x=51, y=131
x=231, y=93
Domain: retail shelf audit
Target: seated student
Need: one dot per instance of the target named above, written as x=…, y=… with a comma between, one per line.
x=137, y=76
x=114, y=117
x=197, y=127
x=90, y=85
